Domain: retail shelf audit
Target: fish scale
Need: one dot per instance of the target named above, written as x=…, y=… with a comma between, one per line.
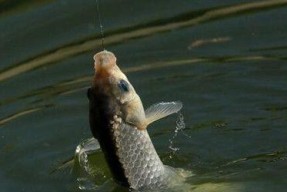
x=118, y=120
x=141, y=163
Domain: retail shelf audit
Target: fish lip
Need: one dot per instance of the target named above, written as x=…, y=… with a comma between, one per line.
x=104, y=60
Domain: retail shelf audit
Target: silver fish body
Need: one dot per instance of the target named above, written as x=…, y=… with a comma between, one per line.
x=142, y=165
x=118, y=121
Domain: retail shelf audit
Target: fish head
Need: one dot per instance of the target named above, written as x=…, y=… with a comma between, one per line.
x=114, y=84
x=111, y=80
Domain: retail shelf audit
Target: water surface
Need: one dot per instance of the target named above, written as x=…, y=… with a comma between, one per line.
x=226, y=61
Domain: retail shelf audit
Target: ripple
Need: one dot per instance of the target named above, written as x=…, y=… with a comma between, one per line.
x=139, y=31
x=19, y=114
x=263, y=157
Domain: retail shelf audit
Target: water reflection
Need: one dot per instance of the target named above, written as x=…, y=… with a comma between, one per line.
x=10, y=7
x=121, y=35
x=82, y=83
x=18, y=114
x=201, y=42
x=264, y=157
x=73, y=85
x=227, y=65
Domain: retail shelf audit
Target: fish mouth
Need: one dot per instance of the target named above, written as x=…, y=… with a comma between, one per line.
x=104, y=62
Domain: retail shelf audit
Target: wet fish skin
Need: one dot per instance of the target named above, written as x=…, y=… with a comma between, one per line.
x=141, y=163
x=119, y=122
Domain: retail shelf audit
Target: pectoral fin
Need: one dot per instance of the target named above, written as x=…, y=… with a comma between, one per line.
x=161, y=110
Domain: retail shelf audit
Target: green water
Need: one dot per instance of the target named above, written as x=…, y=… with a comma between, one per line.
x=225, y=60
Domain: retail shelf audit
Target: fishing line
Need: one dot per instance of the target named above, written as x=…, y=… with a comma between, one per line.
x=100, y=22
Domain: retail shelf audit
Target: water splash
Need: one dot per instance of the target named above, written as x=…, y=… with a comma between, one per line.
x=83, y=150
x=180, y=126
x=86, y=184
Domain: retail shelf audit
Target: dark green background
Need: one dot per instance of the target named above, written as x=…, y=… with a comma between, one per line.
x=225, y=60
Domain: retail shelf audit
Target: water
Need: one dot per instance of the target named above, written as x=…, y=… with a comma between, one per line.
x=180, y=126
x=226, y=61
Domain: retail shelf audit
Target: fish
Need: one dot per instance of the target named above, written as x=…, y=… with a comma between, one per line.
x=119, y=122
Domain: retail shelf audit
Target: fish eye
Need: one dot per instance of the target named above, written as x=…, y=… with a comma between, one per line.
x=123, y=85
